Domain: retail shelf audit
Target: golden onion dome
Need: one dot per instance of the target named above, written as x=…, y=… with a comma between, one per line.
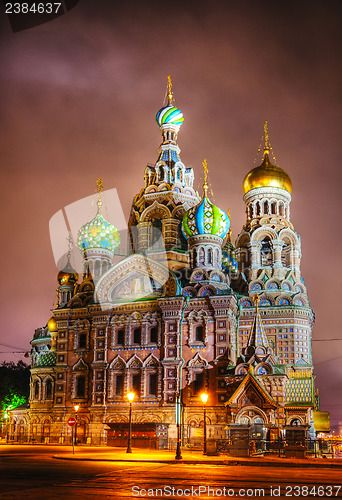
x=52, y=325
x=267, y=175
x=68, y=275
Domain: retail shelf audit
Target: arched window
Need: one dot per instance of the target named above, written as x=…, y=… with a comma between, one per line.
x=157, y=238
x=48, y=389
x=152, y=384
x=82, y=341
x=210, y=256
x=120, y=337
x=136, y=384
x=199, y=333
x=281, y=209
x=36, y=389
x=258, y=208
x=137, y=336
x=161, y=173
x=266, y=252
x=119, y=384
x=154, y=335
x=266, y=207
x=273, y=208
x=198, y=383
x=80, y=386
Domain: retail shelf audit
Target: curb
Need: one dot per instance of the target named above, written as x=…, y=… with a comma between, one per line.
x=210, y=462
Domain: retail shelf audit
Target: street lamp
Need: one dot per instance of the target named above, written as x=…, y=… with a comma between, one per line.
x=204, y=398
x=76, y=407
x=130, y=397
x=6, y=416
x=179, y=437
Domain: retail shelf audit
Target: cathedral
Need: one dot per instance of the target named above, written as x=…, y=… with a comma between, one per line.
x=186, y=312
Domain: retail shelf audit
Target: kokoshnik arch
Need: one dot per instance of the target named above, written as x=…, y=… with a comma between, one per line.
x=195, y=313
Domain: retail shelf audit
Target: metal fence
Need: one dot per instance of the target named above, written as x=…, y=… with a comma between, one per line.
x=301, y=447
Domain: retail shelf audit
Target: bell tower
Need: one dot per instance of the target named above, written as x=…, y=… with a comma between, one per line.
x=268, y=240
x=157, y=210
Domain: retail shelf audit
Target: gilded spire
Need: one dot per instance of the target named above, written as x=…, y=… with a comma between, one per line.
x=266, y=137
x=100, y=188
x=256, y=300
x=169, y=91
x=70, y=242
x=257, y=336
x=205, y=185
x=230, y=230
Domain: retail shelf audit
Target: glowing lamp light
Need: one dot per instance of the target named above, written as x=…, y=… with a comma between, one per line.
x=204, y=398
x=76, y=408
x=130, y=396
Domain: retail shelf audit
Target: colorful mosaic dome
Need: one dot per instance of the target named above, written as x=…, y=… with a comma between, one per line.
x=205, y=218
x=48, y=359
x=169, y=115
x=98, y=233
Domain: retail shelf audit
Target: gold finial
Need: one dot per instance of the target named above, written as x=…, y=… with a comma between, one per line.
x=169, y=90
x=205, y=185
x=266, y=147
x=256, y=300
x=100, y=188
x=230, y=229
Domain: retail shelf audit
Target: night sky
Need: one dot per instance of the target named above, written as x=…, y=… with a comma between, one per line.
x=78, y=101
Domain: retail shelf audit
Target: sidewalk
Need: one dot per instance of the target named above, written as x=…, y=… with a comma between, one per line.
x=190, y=457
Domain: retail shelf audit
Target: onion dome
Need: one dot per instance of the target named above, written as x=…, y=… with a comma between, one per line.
x=67, y=275
x=98, y=233
x=267, y=174
x=169, y=115
x=205, y=218
x=52, y=325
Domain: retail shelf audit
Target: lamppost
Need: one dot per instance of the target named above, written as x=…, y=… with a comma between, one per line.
x=130, y=397
x=204, y=398
x=76, y=407
x=179, y=437
x=6, y=416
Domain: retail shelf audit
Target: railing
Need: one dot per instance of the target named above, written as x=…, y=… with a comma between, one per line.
x=312, y=448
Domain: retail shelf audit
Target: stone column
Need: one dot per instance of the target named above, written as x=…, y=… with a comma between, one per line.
x=170, y=232
x=255, y=247
x=277, y=248
x=144, y=229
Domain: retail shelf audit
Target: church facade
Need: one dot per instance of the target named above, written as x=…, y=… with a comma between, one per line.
x=187, y=312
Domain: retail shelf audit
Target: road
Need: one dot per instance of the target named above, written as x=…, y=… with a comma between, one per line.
x=31, y=473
